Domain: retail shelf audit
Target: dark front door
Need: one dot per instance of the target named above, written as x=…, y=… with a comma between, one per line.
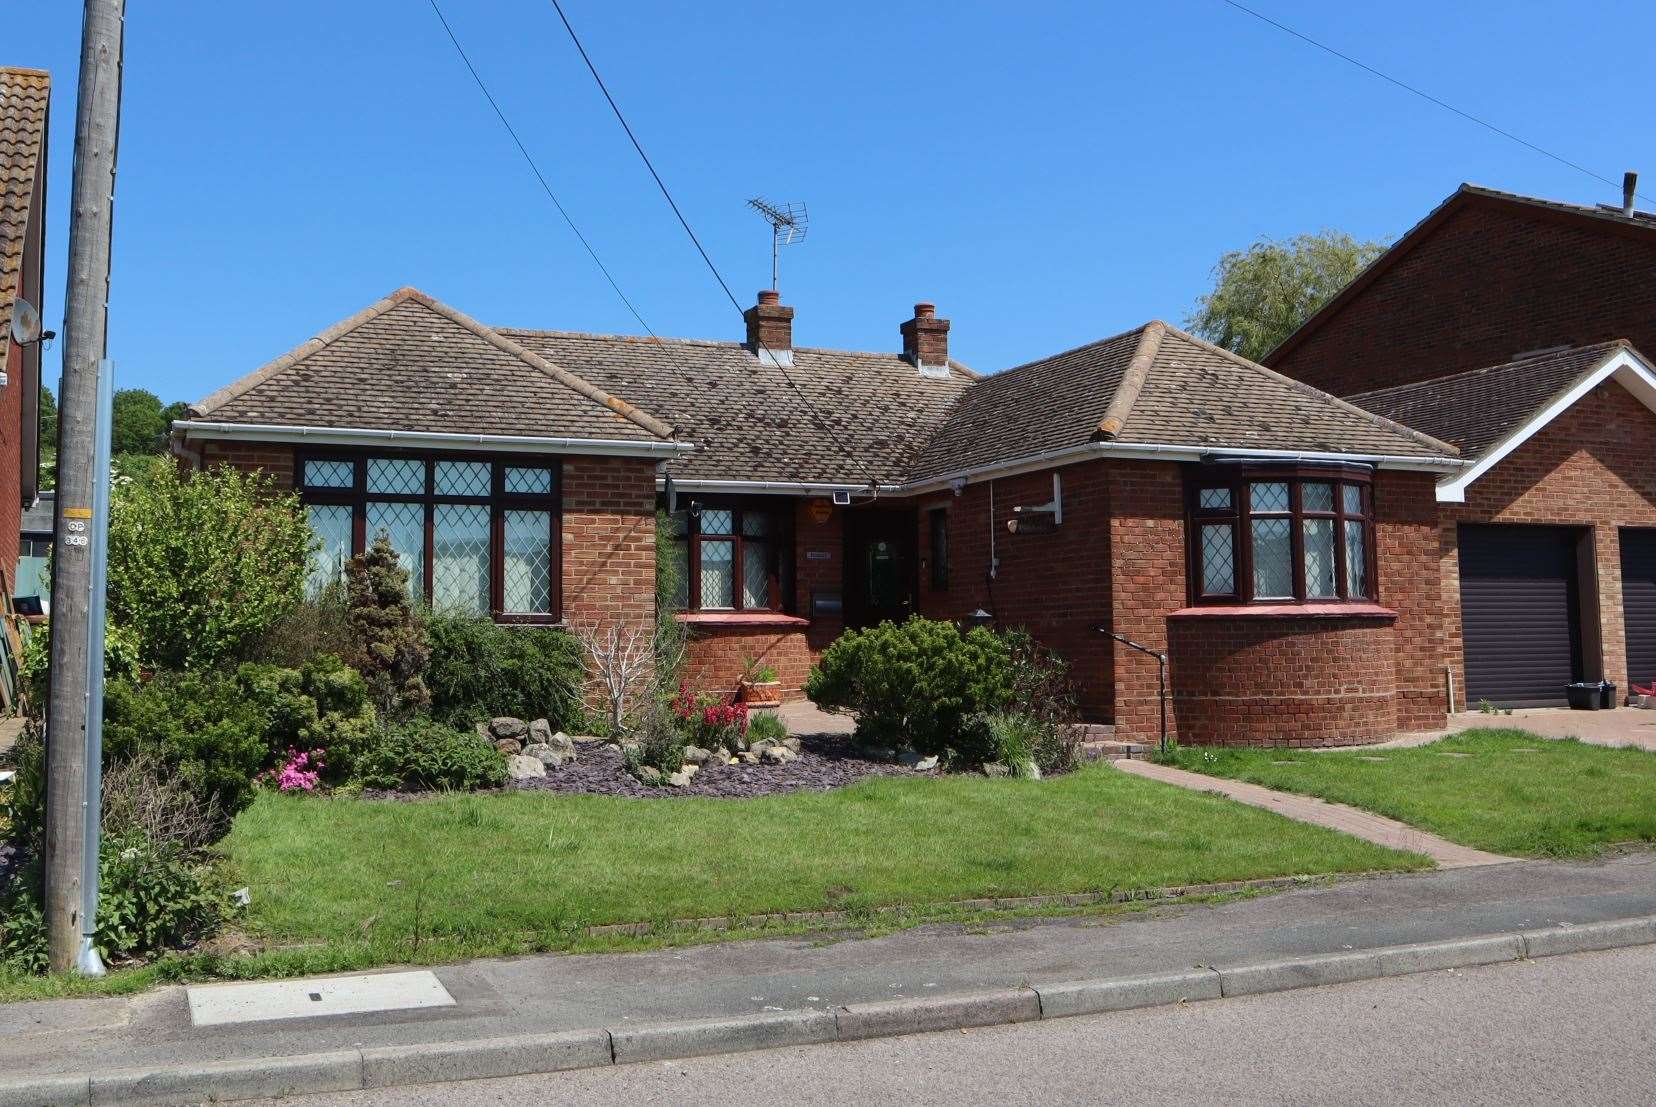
x=1520, y=613
x=1638, y=560
x=879, y=565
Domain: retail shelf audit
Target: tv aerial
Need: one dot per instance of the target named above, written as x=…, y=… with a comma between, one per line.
x=788, y=224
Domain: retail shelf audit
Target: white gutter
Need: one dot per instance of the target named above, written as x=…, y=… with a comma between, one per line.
x=357, y=436
x=785, y=488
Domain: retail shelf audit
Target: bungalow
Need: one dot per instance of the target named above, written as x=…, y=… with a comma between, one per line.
x=1548, y=537
x=1278, y=544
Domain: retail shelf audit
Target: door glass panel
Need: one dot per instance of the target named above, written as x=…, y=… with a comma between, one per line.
x=718, y=572
x=460, y=558
x=1319, y=558
x=885, y=585
x=527, y=573
x=404, y=525
x=1273, y=559
x=331, y=523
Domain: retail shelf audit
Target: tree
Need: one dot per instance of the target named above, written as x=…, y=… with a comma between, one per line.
x=48, y=417
x=392, y=643
x=1262, y=294
x=140, y=424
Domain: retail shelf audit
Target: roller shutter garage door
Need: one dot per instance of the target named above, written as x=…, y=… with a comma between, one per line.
x=1520, y=614
x=1638, y=560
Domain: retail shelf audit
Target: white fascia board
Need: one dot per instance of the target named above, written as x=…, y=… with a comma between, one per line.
x=1624, y=367
x=198, y=429
x=773, y=488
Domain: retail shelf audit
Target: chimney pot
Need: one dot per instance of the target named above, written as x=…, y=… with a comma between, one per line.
x=769, y=296
x=926, y=339
x=1630, y=186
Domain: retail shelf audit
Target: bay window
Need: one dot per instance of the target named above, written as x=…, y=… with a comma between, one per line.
x=1280, y=534
x=729, y=557
x=476, y=536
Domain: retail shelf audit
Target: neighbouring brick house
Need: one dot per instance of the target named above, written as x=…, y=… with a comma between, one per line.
x=1278, y=543
x=25, y=97
x=1511, y=326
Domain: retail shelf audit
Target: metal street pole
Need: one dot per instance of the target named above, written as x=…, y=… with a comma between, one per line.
x=85, y=320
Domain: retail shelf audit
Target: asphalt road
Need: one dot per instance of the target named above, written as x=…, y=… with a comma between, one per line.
x=1561, y=1030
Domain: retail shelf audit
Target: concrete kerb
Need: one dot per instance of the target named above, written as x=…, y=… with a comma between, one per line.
x=347, y=1070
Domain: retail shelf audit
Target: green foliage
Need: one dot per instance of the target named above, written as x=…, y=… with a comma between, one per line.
x=658, y=743
x=392, y=648
x=139, y=423
x=1008, y=737
x=1262, y=294
x=316, y=625
x=200, y=566
x=23, y=808
x=202, y=726
x=48, y=416
x=422, y=755
x=672, y=638
x=912, y=683
x=765, y=727
x=121, y=660
x=478, y=669
x=1045, y=698
x=151, y=898
x=323, y=705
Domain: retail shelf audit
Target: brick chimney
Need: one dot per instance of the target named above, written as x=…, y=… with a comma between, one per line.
x=770, y=328
x=926, y=340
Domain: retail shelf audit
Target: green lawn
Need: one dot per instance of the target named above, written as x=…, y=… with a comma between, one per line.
x=1509, y=792
x=463, y=875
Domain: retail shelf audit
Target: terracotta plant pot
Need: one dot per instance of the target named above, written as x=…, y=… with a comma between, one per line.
x=762, y=693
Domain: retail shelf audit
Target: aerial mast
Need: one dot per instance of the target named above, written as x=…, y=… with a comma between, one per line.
x=787, y=223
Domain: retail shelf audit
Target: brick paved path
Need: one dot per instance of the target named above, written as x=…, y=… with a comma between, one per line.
x=1336, y=816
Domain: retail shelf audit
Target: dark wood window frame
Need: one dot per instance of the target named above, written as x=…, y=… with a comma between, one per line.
x=1239, y=516
x=780, y=539
x=498, y=500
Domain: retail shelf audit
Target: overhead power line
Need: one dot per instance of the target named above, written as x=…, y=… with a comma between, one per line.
x=707, y=259
x=1428, y=97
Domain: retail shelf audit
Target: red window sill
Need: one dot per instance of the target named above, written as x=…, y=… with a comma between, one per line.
x=1287, y=611
x=741, y=619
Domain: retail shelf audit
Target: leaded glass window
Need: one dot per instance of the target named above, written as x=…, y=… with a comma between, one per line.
x=527, y=571
x=460, y=558
x=331, y=523
x=404, y=524
x=731, y=557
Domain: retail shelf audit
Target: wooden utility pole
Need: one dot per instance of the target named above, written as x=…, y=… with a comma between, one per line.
x=85, y=319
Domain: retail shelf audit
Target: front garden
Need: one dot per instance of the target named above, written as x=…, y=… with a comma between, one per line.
x=1505, y=791
x=301, y=781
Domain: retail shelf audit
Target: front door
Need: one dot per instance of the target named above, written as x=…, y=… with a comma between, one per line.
x=879, y=565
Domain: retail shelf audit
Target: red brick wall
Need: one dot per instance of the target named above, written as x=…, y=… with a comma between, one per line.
x=823, y=572
x=609, y=541
x=718, y=657
x=1406, y=558
x=1283, y=681
x=1057, y=585
x=1147, y=561
x=271, y=458
x=1593, y=466
x=1491, y=281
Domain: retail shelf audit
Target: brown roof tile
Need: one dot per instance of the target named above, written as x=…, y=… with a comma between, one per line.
x=24, y=97
x=1478, y=409
x=1155, y=385
x=412, y=363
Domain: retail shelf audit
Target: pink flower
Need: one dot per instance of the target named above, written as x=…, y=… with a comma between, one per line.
x=302, y=772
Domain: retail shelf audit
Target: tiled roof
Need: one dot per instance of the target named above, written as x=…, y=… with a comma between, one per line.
x=1155, y=385
x=24, y=96
x=411, y=363
x=1479, y=408
x=866, y=417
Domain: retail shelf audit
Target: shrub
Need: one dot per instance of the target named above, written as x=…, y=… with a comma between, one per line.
x=765, y=727
x=151, y=898
x=659, y=743
x=121, y=654
x=1042, y=691
x=201, y=727
x=709, y=722
x=319, y=624
x=672, y=638
x=201, y=565
x=24, y=807
x=422, y=755
x=391, y=641
x=478, y=670
x=912, y=683
x=1007, y=737
x=140, y=796
x=321, y=706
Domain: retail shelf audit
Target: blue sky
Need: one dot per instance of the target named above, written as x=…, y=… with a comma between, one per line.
x=1048, y=173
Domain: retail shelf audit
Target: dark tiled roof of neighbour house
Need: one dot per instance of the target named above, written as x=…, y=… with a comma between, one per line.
x=866, y=419
x=410, y=363
x=24, y=95
x=1155, y=385
x=1479, y=408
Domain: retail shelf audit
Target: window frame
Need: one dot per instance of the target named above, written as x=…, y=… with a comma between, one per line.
x=778, y=601
x=1237, y=479
x=498, y=501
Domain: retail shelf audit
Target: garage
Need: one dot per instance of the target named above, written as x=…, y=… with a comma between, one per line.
x=1638, y=561
x=1520, y=613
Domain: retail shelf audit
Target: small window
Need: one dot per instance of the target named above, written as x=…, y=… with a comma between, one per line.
x=535, y=482
x=729, y=558
x=330, y=474
x=396, y=476
x=937, y=520
x=462, y=478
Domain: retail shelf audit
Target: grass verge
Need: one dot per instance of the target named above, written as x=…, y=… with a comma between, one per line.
x=1503, y=790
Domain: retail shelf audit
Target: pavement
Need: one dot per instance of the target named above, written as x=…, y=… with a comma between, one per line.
x=1562, y=1030
x=1621, y=726
x=831, y=981
x=1335, y=816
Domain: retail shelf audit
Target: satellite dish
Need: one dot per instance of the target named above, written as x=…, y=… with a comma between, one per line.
x=25, y=323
